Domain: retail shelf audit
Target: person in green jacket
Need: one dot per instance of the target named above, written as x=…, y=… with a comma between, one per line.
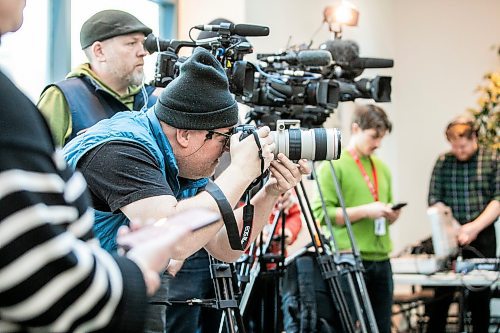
x=111, y=81
x=365, y=183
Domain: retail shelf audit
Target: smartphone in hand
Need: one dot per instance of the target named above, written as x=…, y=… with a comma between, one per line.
x=399, y=205
x=184, y=222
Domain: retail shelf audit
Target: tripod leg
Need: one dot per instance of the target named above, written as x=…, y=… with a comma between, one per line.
x=232, y=322
x=357, y=305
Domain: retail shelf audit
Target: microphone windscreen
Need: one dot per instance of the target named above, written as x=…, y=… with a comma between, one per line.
x=314, y=58
x=251, y=30
x=373, y=63
x=343, y=51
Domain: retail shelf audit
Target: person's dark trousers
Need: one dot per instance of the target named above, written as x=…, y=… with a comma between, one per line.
x=380, y=286
x=437, y=309
x=263, y=310
x=477, y=302
x=192, y=281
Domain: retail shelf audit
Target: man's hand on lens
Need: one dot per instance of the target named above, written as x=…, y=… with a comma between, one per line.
x=245, y=153
x=285, y=174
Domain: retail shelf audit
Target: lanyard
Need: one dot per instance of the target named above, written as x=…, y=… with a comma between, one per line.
x=372, y=187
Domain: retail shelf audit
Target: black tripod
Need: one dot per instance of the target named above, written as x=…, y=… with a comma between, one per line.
x=227, y=292
x=342, y=272
x=348, y=264
x=252, y=270
x=327, y=258
x=332, y=268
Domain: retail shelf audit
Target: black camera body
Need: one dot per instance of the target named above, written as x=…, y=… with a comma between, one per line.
x=228, y=46
x=308, y=85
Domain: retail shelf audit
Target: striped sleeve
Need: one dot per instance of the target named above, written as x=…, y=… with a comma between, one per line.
x=52, y=275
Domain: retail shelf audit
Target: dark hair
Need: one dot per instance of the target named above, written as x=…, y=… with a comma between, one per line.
x=461, y=129
x=372, y=116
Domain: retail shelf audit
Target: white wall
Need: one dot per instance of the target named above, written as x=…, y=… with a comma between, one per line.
x=195, y=12
x=441, y=51
x=23, y=53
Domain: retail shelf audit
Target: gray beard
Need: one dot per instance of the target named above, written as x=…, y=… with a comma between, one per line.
x=136, y=79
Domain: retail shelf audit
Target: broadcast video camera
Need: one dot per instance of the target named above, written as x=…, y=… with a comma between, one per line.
x=297, y=81
x=347, y=65
x=308, y=85
x=227, y=47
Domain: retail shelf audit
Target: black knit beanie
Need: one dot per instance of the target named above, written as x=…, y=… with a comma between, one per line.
x=199, y=97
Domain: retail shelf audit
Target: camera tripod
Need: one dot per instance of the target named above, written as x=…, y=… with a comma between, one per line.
x=340, y=271
x=346, y=265
x=257, y=272
x=226, y=293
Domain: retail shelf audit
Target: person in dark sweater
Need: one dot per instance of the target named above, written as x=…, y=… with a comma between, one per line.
x=53, y=277
x=466, y=180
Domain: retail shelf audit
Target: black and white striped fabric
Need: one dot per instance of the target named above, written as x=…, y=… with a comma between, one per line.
x=53, y=275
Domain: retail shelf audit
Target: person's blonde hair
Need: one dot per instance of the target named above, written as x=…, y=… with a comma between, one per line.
x=461, y=127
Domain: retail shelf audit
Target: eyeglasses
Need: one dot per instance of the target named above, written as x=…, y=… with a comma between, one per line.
x=227, y=136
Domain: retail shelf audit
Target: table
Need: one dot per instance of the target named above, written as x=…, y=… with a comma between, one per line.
x=473, y=279
x=450, y=279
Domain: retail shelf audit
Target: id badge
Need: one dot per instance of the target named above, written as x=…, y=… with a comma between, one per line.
x=380, y=228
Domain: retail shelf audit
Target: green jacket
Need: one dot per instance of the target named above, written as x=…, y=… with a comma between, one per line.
x=355, y=192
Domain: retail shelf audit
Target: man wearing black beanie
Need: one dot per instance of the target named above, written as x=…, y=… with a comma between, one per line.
x=150, y=165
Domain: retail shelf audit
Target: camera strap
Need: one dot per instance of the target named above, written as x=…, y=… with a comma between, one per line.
x=263, y=174
x=236, y=241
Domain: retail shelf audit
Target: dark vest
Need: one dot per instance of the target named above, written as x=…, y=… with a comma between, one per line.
x=89, y=103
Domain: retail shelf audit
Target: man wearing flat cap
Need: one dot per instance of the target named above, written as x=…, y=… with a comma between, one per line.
x=147, y=165
x=112, y=80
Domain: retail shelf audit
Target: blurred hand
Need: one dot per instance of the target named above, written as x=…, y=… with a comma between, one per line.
x=467, y=233
x=285, y=174
x=285, y=201
x=245, y=153
x=443, y=207
x=174, y=266
x=377, y=209
x=393, y=215
x=153, y=256
x=266, y=233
